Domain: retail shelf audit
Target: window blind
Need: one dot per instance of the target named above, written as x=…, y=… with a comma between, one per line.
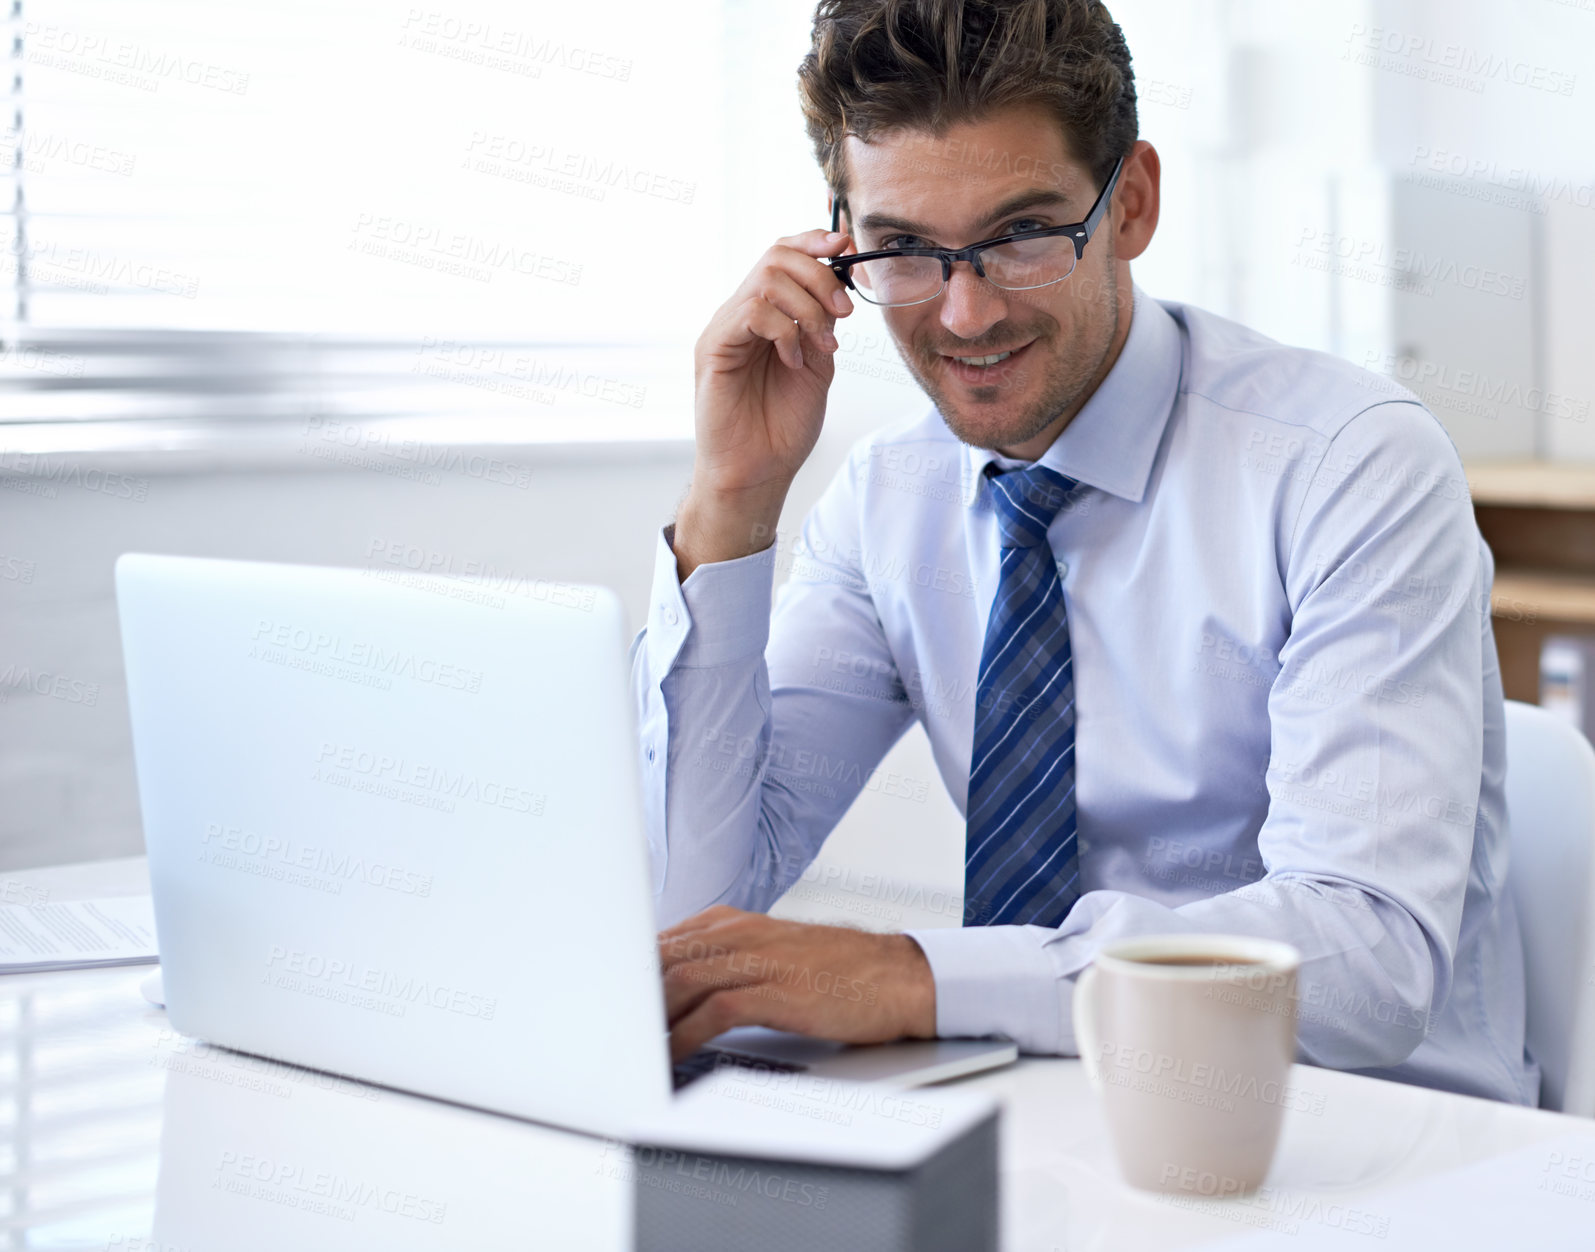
x=364, y=209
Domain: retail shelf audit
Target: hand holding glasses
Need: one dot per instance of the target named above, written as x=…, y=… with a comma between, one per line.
x=760, y=398
x=1022, y=261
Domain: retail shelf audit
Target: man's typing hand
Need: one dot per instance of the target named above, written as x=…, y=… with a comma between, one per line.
x=725, y=968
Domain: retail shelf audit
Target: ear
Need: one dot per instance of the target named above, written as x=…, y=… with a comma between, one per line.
x=1135, y=201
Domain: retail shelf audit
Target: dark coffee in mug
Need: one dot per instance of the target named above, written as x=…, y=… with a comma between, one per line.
x=1192, y=960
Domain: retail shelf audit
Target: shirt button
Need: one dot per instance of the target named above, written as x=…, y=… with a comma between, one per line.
x=1063, y=569
x=671, y=616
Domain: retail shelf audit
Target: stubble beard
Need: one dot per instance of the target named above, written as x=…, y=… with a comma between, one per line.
x=1071, y=372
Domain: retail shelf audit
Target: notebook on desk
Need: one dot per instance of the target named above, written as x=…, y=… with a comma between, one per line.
x=395, y=832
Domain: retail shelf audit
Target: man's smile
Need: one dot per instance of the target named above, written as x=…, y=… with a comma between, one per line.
x=984, y=370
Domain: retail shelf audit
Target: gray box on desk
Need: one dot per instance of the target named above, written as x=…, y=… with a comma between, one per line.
x=700, y=1202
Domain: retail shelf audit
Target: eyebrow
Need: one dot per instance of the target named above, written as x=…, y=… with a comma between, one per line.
x=1038, y=198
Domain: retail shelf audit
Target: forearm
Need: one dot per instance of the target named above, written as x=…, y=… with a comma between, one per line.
x=1366, y=986
x=702, y=695
x=754, y=761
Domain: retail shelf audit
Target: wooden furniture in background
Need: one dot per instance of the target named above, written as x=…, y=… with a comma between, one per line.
x=1539, y=519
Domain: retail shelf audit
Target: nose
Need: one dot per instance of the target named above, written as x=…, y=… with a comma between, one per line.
x=970, y=306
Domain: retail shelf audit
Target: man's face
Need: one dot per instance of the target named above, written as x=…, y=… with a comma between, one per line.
x=1010, y=171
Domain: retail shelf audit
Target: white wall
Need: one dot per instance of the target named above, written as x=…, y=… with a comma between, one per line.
x=65, y=767
x=1570, y=325
x=587, y=513
x=1407, y=183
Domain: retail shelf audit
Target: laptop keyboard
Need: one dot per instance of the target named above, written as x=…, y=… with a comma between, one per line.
x=707, y=1060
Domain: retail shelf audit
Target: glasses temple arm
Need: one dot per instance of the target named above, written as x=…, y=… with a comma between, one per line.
x=1100, y=208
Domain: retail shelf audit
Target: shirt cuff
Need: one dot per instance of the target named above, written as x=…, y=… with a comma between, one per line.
x=719, y=616
x=997, y=980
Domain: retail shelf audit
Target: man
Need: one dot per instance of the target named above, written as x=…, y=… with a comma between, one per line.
x=1206, y=644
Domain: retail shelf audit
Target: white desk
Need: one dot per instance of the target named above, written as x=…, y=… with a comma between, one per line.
x=126, y=1137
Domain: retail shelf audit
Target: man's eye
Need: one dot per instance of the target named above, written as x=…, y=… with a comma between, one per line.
x=1025, y=223
x=901, y=241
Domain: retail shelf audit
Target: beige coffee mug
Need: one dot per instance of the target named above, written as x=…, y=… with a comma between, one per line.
x=1189, y=1040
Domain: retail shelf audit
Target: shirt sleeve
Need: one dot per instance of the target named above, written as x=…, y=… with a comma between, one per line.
x=1370, y=829
x=758, y=728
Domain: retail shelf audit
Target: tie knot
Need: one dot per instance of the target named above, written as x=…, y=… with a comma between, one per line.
x=1027, y=500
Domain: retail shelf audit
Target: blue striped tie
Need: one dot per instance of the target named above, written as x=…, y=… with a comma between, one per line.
x=1020, y=859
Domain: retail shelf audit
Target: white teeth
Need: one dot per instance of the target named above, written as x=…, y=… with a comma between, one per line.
x=983, y=360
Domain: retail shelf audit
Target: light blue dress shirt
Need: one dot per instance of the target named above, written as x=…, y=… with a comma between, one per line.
x=1289, y=711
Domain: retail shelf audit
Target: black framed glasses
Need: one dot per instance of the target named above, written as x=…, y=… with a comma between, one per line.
x=1022, y=261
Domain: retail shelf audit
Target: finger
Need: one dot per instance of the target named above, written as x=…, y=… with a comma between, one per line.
x=698, y=938
x=820, y=281
x=688, y=985
x=706, y=917
x=816, y=243
x=689, y=948
x=743, y=327
x=726, y=1010
x=782, y=291
x=764, y=321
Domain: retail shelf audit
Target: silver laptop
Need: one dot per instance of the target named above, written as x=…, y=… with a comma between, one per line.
x=395, y=832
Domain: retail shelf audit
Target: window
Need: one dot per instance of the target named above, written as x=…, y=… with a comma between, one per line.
x=366, y=209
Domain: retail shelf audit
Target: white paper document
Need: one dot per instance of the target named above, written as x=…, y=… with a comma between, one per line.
x=78, y=935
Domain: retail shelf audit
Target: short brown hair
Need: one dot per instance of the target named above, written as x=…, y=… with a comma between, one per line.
x=880, y=65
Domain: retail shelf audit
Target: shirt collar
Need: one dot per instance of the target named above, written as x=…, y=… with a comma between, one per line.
x=1112, y=440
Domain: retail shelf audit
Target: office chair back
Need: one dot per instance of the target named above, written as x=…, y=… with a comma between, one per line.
x=1550, y=800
